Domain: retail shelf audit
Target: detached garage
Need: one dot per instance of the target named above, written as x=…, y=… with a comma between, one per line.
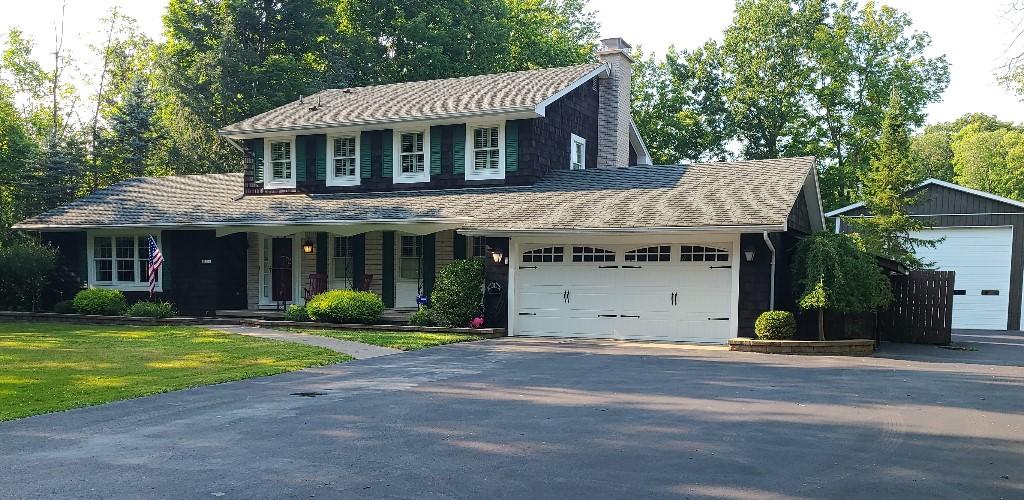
x=982, y=236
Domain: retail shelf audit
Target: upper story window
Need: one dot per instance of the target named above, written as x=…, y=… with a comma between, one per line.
x=343, y=157
x=121, y=261
x=411, y=157
x=577, y=153
x=486, y=152
x=280, y=162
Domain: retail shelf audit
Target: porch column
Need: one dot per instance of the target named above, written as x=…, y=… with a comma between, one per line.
x=388, y=271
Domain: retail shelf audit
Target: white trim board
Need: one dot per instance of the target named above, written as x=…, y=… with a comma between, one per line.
x=937, y=182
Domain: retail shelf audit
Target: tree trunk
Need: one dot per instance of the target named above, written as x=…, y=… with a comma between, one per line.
x=821, y=324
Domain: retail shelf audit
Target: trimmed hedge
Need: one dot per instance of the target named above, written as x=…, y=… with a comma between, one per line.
x=422, y=317
x=64, y=307
x=25, y=268
x=458, y=293
x=151, y=310
x=775, y=325
x=100, y=301
x=345, y=306
x=296, y=312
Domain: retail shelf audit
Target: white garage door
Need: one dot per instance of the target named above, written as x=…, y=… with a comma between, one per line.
x=653, y=292
x=980, y=256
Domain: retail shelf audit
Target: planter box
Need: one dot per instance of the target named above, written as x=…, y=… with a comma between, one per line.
x=855, y=347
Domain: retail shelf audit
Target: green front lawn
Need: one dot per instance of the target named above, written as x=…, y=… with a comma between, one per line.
x=48, y=367
x=406, y=341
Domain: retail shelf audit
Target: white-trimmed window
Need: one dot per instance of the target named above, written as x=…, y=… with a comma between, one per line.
x=121, y=261
x=478, y=247
x=577, y=153
x=341, y=263
x=660, y=253
x=485, y=155
x=279, y=162
x=696, y=253
x=592, y=254
x=412, y=163
x=343, y=160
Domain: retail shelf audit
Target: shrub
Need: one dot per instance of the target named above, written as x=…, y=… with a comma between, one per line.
x=345, y=306
x=422, y=317
x=775, y=325
x=151, y=310
x=25, y=267
x=64, y=307
x=458, y=293
x=100, y=301
x=296, y=312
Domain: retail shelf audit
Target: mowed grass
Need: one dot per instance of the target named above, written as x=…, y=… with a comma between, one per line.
x=47, y=367
x=405, y=341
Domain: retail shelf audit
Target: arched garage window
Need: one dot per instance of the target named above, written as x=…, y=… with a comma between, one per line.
x=660, y=253
x=592, y=254
x=546, y=254
x=694, y=253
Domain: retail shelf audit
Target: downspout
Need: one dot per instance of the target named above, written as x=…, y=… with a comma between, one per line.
x=771, y=287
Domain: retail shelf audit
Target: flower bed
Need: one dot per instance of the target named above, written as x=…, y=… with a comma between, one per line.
x=857, y=347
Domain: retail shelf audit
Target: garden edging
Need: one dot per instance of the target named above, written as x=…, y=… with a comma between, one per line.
x=856, y=347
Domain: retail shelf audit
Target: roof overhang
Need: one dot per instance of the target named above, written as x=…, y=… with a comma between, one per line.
x=937, y=182
x=624, y=231
x=339, y=227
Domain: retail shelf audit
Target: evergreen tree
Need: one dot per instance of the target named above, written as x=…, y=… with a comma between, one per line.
x=886, y=194
x=127, y=147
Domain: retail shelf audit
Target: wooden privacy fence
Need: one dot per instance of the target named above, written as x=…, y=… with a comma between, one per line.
x=921, y=313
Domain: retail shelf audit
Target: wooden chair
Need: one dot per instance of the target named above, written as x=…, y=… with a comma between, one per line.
x=317, y=285
x=367, y=282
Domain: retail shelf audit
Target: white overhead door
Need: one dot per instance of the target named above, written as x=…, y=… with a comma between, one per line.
x=653, y=292
x=980, y=256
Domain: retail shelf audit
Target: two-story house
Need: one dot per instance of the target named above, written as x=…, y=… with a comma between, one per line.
x=541, y=173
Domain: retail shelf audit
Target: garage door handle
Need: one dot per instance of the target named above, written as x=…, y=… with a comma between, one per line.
x=719, y=267
x=629, y=316
x=607, y=267
x=527, y=267
x=632, y=267
x=607, y=315
x=718, y=319
x=527, y=314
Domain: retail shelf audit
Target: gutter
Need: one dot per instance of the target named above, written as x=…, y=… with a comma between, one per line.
x=624, y=230
x=771, y=286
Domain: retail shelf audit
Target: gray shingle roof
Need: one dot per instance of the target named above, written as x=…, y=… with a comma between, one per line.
x=472, y=95
x=745, y=193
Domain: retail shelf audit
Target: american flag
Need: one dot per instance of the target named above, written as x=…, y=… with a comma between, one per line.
x=156, y=259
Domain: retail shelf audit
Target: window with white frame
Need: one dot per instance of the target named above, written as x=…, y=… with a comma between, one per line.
x=280, y=162
x=577, y=153
x=266, y=270
x=696, y=253
x=411, y=253
x=343, y=152
x=411, y=157
x=121, y=261
x=660, y=253
x=546, y=254
x=478, y=247
x=342, y=262
x=592, y=254
x=485, y=158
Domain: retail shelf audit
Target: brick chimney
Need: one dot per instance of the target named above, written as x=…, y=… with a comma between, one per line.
x=614, y=108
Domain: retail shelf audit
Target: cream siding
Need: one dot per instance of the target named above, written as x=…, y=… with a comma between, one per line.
x=374, y=264
x=444, y=249
x=252, y=271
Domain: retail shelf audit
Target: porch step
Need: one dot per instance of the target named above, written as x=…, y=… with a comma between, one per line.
x=396, y=316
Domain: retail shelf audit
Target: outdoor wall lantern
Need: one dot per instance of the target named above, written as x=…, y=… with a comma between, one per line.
x=748, y=253
x=497, y=256
x=307, y=247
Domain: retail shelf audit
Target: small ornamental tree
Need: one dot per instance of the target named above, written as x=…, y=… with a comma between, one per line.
x=833, y=272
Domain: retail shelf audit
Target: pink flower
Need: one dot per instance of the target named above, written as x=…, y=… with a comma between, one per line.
x=476, y=322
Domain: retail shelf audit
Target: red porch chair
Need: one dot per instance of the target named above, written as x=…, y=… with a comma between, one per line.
x=317, y=285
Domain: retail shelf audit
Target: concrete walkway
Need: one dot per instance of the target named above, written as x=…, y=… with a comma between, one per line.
x=357, y=350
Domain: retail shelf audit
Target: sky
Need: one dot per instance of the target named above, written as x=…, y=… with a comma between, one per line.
x=973, y=35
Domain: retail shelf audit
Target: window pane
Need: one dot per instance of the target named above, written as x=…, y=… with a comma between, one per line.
x=479, y=246
x=102, y=248
x=343, y=268
x=125, y=248
x=125, y=270
x=412, y=142
x=104, y=270
x=410, y=268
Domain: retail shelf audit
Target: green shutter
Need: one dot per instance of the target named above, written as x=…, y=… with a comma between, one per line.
x=387, y=155
x=358, y=260
x=167, y=250
x=365, y=155
x=429, y=264
x=387, y=282
x=301, y=143
x=322, y=251
x=320, y=156
x=83, y=260
x=435, y=150
x=459, y=149
x=460, y=246
x=256, y=146
x=511, y=146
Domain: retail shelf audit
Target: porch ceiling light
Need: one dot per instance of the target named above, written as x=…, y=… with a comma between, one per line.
x=748, y=253
x=307, y=247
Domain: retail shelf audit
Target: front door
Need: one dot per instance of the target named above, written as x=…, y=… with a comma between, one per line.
x=410, y=271
x=281, y=269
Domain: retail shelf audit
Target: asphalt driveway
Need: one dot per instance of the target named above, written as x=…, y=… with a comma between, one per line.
x=515, y=418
